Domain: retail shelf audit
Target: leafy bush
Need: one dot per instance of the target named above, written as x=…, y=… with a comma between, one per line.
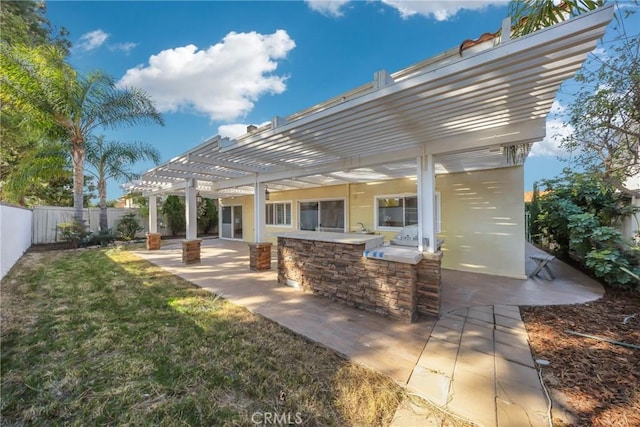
x=207, y=215
x=128, y=226
x=174, y=210
x=577, y=218
x=603, y=250
x=73, y=232
x=102, y=238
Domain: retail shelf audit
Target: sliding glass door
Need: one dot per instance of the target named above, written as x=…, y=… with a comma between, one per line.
x=231, y=222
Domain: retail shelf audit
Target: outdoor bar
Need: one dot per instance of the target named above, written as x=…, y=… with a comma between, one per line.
x=447, y=137
x=357, y=269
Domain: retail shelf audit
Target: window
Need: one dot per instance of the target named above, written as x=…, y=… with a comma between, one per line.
x=400, y=211
x=323, y=215
x=397, y=211
x=278, y=213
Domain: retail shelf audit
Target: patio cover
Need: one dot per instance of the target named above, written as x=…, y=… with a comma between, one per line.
x=461, y=107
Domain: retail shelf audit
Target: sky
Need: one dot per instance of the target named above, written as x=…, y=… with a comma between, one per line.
x=214, y=67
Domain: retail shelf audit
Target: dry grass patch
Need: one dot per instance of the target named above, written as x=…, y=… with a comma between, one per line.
x=103, y=337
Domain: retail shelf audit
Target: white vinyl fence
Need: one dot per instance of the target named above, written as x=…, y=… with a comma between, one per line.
x=15, y=235
x=47, y=218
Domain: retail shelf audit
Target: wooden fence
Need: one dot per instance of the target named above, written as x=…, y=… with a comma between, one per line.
x=47, y=218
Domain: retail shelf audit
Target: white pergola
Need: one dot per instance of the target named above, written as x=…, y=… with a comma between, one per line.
x=452, y=113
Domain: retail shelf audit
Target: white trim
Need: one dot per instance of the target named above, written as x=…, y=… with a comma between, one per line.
x=284, y=202
x=153, y=214
x=389, y=196
x=220, y=207
x=438, y=212
x=191, y=209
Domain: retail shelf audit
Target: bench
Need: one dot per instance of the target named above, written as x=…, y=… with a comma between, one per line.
x=542, y=261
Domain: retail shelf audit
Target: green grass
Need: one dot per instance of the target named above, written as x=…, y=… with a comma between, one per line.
x=101, y=337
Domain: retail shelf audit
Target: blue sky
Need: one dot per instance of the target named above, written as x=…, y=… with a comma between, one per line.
x=213, y=67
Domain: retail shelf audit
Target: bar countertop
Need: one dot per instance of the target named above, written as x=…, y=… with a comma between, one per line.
x=369, y=240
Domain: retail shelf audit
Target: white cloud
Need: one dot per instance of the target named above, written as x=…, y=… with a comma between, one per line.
x=124, y=47
x=92, y=40
x=557, y=108
x=332, y=8
x=235, y=130
x=441, y=10
x=223, y=81
x=550, y=145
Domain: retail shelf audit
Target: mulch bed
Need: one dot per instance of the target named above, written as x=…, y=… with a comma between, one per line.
x=48, y=247
x=592, y=382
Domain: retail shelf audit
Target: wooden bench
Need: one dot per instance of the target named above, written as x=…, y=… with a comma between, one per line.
x=542, y=261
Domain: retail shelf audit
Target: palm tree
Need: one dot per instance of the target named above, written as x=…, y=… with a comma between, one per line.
x=531, y=15
x=49, y=95
x=44, y=167
x=110, y=160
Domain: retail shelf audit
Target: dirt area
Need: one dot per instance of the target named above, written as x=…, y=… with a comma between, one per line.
x=48, y=247
x=592, y=382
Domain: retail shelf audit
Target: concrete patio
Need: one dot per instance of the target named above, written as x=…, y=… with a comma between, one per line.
x=474, y=361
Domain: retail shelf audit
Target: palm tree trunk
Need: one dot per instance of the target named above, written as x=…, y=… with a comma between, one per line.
x=102, y=192
x=77, y=153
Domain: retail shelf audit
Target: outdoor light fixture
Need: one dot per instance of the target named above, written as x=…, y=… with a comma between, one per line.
x=266, y=192
x=198, y=198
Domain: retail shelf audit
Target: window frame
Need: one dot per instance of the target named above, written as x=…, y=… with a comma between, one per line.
x=376, y=198
x=279, y=202
x=324, y=199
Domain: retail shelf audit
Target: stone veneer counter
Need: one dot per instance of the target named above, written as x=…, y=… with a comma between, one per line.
x=334, y=265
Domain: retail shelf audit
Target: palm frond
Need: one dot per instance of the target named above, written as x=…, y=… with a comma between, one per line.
x=528, y=16
x=48, y=162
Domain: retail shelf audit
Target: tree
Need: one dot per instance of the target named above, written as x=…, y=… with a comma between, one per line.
x=577, y=219
x=605, y=112
x=48, y=95
x=24, y=23
x=534, y=211
x=174, y=210
x=528, y=16
x=44, y=177
x=605, y=116
x=111, y=160
x=207, y=215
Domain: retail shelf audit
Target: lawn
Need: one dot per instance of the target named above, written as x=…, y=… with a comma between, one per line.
x=102, y=337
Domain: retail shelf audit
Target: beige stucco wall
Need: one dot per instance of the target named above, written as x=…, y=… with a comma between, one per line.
x=483, y=221
x=362, y=202
x=482, y=216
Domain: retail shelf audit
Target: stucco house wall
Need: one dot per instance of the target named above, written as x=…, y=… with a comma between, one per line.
x=482, y=216
x=483, y=221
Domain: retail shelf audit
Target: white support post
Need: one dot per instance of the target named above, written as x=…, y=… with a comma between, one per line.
x=259, y=211
x=153, y=214
x=505, y=35
x=426, y=204
x=191, y=211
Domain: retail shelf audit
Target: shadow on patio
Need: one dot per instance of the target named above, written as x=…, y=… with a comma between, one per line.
x=570, y=286
x=389, y=346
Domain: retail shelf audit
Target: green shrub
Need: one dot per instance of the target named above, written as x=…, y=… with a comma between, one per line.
x=174, y=211
x=604, y=251
x=73, y=232
x=102, y=238
x=207, y=215
x=128, y=226
x=577, y=218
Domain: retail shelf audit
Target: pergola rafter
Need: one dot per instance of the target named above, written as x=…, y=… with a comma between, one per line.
x=458, y=108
